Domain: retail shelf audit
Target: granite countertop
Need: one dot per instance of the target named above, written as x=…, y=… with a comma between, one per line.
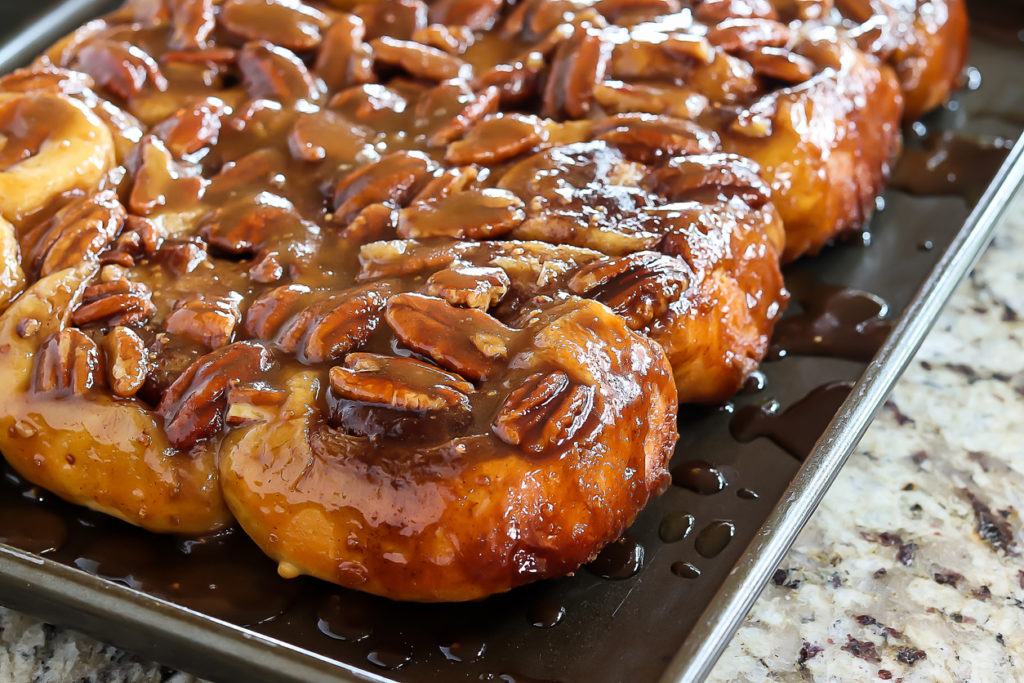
x=911, y=569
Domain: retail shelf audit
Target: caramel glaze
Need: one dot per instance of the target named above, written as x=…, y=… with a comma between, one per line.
x=226, y=300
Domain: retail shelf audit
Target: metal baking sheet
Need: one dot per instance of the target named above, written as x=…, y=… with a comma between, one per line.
x=651, y=625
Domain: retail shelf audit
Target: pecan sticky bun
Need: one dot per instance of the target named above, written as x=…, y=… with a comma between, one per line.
x=409, y=290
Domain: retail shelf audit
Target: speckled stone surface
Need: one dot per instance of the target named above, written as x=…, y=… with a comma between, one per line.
x=913, y=566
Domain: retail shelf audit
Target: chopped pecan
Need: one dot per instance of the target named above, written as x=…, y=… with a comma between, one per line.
x=207, y=320
x=193, y=23
x=579, y=64
x=445, y=184
x=401, y=383
x=139, y=238
x=419, y=60
x=344, y=59
x=325, y=134
x=276, y=73
x=715, y=11
x=69, y=362
x=395, y=18
x=496, y=139
x=747, y=34
x=473, y=214
x=476, y=15
x=548, y=410
x=180, y=258
x=375, y=222
x=121, y=68
x=192, y=127
x=243, y=226
x=289, y=23
x=481, y=104
x=251, y=402
x=710, y=175
x=780, y=64
x=161, y=182
x=335, y=325
x=120, y=302
x=194, y=404
x=647, y=138
x=78, y=232
x=639, y=287
x=858, y=11
x=464, y=340
x=267, y=267
x=469, y=286
x=127, y=361
x=392, y=179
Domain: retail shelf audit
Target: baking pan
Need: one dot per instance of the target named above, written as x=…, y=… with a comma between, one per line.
x=663, y=602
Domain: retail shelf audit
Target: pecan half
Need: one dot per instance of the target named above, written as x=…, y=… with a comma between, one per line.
x=335, y=325
x=243, y=226
x=419, y=60
x=193, y=23
x=344, y=59
x=635, y=11
x=127, y=361
x=715, y=11
x=207, y=320
x=517, y=80
x=401, y=383
x=679, y=101
x=711, y=176
x=476, y=15
x=747, y=34
x=289, y=23
x=191, y=128
x=121, y=68
x=647, y=138
x=393, y=179
x=447, y=183
x=370, y=102
x=464, y=340
x=194, y=404
x=270, y=311
x=469, y=286
x=276, y=73
x=481, y=104
x=119, y=302
x=579, y=64
x=496, y=139
x=473, y=214
x=69, y=362
x=325, y=134
x=451, y=39
x=548, y=410
x=76, y=233
x=639, y=287
x=780, y=64
x=395, y=18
